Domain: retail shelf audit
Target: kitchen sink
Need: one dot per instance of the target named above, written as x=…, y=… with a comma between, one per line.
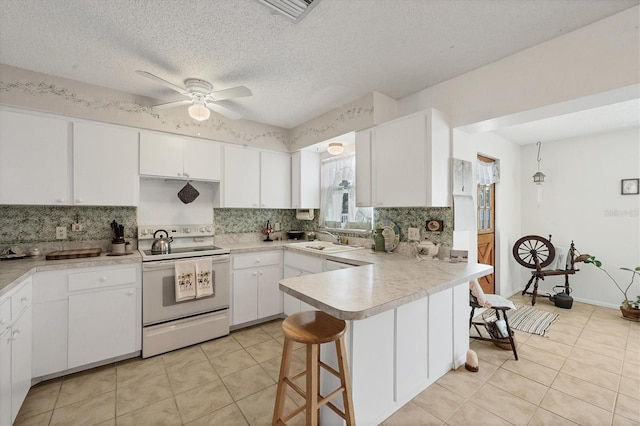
x=323, y=246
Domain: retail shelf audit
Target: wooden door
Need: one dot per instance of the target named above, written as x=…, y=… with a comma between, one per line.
x=486, y=229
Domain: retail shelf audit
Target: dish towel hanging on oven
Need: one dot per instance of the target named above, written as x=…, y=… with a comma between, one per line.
x=185, y=280
x=205, y=285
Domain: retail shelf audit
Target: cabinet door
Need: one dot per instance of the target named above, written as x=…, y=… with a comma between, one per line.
x=102, y=325
x=400, y=146
x=305, y=180
x=34, y=160
x=440, y=333
x=5, y=376
x=20, y=361
x=245, y=295
x=105, y=165
x=291, y=305
x=50, y=329
x=363, y=168
x=161, y=154
x=275, y=180
x=241, y=181
x=202, y=159
x=269, y=295
x=412, y=352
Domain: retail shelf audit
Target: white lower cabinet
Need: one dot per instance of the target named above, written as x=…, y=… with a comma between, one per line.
x=15, y=350
x=296, y=265
x=255, y=286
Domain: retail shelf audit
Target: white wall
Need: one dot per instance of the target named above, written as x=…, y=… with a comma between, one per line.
x=581, y=201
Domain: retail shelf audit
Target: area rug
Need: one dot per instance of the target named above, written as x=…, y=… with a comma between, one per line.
x=530, y=319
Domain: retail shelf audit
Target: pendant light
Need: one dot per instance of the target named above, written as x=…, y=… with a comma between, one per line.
x=335, y=148
x=198, y=111
x=538, y=178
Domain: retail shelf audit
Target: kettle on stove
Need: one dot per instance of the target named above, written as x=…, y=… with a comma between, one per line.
x=161, y=245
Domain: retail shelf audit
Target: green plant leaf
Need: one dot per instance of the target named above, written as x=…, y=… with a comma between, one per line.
x=598, y=263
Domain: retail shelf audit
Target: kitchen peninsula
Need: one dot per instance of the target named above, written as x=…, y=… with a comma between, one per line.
x=407, y=324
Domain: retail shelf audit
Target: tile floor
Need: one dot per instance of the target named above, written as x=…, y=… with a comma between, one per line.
x=585, y=371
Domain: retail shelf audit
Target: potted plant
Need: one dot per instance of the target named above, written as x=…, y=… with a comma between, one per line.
x=630, y=309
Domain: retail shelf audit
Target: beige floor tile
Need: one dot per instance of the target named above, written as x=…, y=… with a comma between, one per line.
x=503, y=404
x=110, y=422
x=258, y=407
x=561, y=337
x=232, y=362
x=146, y=391
x=630, y=387
x=631, y=370
x=221, y=346
x=531, y=370
x=183, y=357
x=546, y=359
x=633, y=344
x=37, y=420
x=585, y=372
x=411, y=414
x=628, y=407
x=595, y=359
x=488, y=352
x=566, y=329
x=461, y=382
x=585, y=391
x=266, y=350
x=472, y=414
x=632, y=356
x=519, y=386
x=227, y=416
x=623, y=421
x=162, y=413
x=600, y=348
x=573, y=320
x=439, y=401
x=575, y=409
x=195, y=403
x=547, y=345
x=251, y=336
x=605, y=339
x=248, y=381
x=191, y=376
x=40, y=399
x=273, y=328
x=90, y=411
x=543, y=417
x=272, y=367
x=85, y=386
x=135, y=369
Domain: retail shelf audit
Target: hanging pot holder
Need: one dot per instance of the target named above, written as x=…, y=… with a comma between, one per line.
x=188, y=194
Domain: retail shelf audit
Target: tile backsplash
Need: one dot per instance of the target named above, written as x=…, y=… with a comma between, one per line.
x=35, y=224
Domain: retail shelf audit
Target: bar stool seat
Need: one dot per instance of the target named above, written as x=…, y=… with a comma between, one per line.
x=313, y=328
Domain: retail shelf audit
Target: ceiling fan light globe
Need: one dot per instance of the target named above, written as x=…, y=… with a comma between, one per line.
x=199, y=112
x=335, y=148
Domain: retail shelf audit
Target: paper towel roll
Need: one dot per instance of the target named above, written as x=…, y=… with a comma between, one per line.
x=306, y=214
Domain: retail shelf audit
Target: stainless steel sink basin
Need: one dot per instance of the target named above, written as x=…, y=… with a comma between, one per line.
x=323, y=246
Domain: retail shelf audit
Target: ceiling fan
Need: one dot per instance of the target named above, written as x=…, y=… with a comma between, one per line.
x=201, y=97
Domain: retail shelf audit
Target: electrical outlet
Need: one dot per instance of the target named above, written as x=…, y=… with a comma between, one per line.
x=76, y=227
x=61, y=232
x=276, y=226
x=414, y=234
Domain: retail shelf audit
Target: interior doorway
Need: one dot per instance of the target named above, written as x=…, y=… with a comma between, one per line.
x=486, y=200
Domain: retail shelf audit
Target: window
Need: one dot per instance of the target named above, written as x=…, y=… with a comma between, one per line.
x=338, y=196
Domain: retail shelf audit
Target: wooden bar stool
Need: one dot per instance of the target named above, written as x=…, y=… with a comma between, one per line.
x=313, y=328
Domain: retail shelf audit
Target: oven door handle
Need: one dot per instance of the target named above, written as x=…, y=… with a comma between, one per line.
x=166, y=264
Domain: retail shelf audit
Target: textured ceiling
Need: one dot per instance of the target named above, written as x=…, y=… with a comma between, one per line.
x=342, y=50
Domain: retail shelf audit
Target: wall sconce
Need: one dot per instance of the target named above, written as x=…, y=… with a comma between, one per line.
x=538, y=178
x=335, y=148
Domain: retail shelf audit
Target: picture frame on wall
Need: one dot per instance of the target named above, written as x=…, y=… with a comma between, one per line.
x=630, y=186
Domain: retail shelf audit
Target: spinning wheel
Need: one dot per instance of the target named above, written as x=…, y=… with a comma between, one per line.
x=534, y=252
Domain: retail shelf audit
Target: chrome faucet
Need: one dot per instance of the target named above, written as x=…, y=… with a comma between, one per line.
x=337, y=237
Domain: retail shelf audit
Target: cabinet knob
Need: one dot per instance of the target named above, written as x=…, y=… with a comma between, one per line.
x=103, y=279
x=24, y=299
x=14, y=335
x=60, y=200
x=261, y=273
x=78, y=200
x=130, y=293
x=179, y=174
x=186, y=175
x=255, y=273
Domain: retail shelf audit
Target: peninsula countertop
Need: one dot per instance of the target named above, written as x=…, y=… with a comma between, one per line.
x=384, y=282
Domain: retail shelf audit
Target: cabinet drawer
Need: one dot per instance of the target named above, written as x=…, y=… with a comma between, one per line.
x=252, y=260
x=97, y=279
x=21, y=300
x=5, y=313
x=310, y=264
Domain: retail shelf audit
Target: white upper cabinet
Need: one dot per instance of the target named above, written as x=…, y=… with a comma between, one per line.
x=255, y=179
x=405, y=162
x=175, y=156
x=305, y=180
x=105, y=165
x=275, y=180
x=35, y=159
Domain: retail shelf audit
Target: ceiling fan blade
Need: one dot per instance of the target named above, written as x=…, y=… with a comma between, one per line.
x=232, y=115
x=172, y=104
x=163, y=82
x=234, y=92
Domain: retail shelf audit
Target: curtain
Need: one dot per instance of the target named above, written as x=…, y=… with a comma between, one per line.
x=338, y=195
x=488, y=173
